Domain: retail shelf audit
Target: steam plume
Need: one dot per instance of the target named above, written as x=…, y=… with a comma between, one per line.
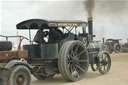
x=89, y=6
x=114, y=8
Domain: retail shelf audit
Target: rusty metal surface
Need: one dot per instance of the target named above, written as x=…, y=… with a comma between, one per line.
x=13, y=54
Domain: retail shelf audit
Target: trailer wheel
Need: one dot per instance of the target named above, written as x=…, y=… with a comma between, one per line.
x=5, y=45
x=73, y=61
x=105, y=62
x=20, y=75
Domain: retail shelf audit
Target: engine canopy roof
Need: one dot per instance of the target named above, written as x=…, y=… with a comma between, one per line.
x=39, y=23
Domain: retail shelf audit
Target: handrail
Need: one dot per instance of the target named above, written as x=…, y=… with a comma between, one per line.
x=21, y=39
x=13, y=37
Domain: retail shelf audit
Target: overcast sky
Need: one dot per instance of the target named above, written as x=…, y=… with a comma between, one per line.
x=110, y=16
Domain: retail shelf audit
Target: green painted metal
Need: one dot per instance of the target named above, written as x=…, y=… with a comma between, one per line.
x=33, y=50
x=45, y=51
x=49, y=51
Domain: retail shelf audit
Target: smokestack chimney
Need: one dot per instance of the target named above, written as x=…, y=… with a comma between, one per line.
x=103, y=40
x=90, y=26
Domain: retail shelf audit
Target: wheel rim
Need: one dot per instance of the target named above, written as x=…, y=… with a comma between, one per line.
x=21, y=79
x=105, y=63
x=75, y=62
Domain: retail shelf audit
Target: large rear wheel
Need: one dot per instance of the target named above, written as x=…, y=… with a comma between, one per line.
x=73, y=61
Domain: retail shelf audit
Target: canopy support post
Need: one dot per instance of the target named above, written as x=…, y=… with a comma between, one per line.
x=30, y=36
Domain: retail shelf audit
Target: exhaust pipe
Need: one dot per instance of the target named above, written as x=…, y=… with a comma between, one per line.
x=103, y=40
x=90, y=26
x=90, y=29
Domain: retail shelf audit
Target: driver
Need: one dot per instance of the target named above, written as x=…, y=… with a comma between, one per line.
x=55, y=35
x=39, y=37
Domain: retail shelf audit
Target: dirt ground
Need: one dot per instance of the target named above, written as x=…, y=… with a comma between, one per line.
x=118, y=75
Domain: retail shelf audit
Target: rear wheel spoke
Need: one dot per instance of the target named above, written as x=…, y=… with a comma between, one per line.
x=80, y=68
x=77, y=73
x=70, y=57
x=68, y=65
x=72, y=53
x=70, y=61
x=76, y=49
x=80, y=53
x=70, y=68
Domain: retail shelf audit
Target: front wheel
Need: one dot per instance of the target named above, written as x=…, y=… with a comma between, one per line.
x=105, y=62
x=20, y=75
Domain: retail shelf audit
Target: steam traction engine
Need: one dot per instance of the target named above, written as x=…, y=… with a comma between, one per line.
x=64, y=51
x=112, y=45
